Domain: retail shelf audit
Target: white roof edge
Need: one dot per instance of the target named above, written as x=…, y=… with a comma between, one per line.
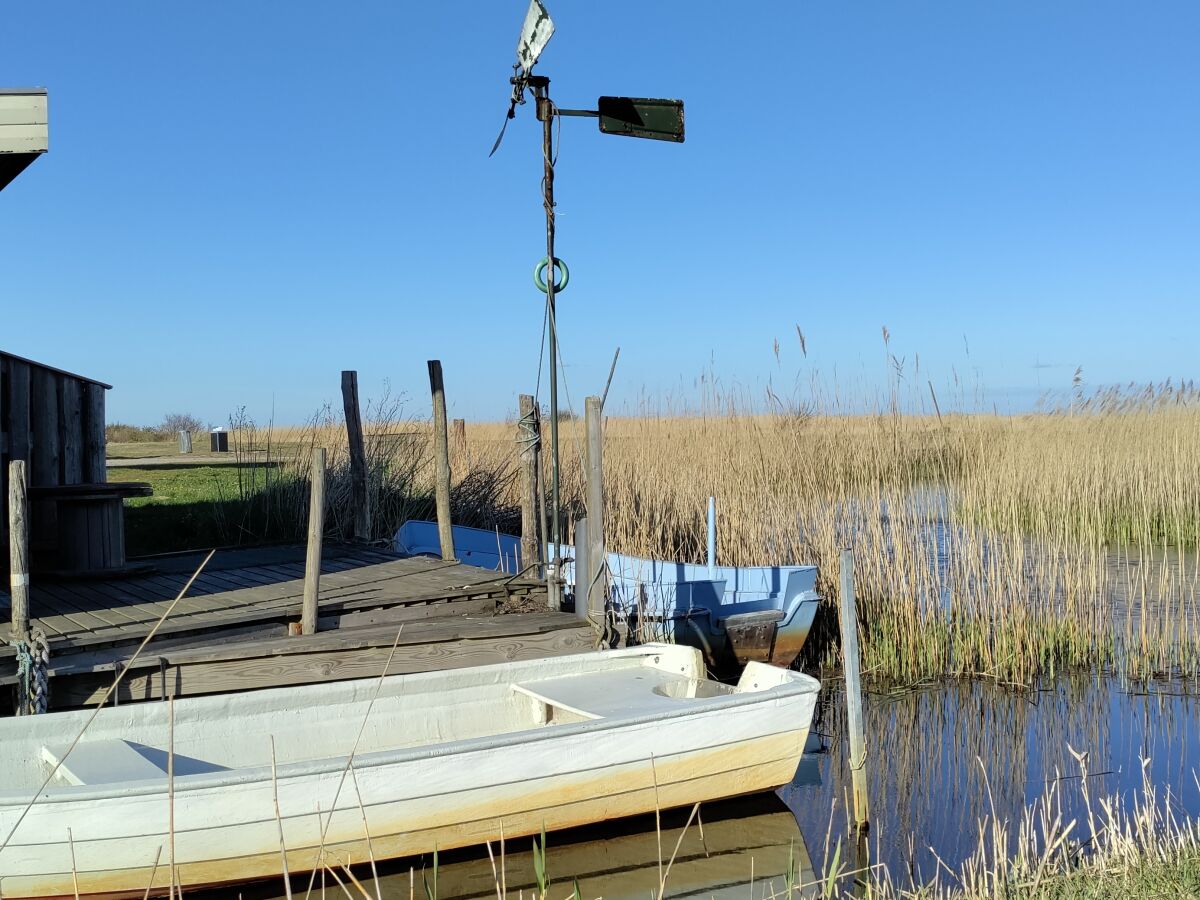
x=26, y=90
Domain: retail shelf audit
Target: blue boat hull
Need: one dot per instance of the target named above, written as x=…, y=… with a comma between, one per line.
x=733, y=614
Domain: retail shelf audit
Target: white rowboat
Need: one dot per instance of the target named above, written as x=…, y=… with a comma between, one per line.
x=446, y=759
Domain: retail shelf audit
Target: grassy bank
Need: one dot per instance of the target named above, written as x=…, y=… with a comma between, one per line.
x=258, y=492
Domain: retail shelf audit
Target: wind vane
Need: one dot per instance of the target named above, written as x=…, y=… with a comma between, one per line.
x=638, y=117
x=535, y=35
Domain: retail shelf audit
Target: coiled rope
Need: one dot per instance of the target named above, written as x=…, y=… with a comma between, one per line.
x=33, y=674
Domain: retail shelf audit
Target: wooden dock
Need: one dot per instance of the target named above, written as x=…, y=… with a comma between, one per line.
x=231, y=631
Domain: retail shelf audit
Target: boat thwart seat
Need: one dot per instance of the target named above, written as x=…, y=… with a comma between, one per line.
x=624, y=692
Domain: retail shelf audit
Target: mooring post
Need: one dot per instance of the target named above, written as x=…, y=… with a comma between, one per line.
x=529, y=442
x=18, y=546
x=712, y=538
x=441, y=454
x=316, y=527
x=595, y=583
x=582, y=567
x=359, y=497
x=854, y=707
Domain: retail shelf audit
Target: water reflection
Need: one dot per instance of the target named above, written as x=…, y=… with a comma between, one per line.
x=732, y=843
x=948, y=754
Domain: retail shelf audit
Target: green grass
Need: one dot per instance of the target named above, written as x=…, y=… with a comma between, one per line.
x=142, y=449
x=193, y=506
x=1147, y=878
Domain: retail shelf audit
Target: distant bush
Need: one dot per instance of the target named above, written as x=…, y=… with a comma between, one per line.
x=117, y=433
x=173, y=423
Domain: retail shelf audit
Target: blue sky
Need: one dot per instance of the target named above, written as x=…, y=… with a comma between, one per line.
x=240, y=200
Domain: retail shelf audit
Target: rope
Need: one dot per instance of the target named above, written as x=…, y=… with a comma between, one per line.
x=33, y=678
x=530, y=435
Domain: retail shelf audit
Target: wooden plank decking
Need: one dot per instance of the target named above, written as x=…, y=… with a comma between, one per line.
x=230, y=632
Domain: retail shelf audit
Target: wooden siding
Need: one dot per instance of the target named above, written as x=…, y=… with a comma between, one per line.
x=24, y=121
x=55, y=421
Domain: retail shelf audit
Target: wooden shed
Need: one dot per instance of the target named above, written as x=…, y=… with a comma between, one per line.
x=55, y=421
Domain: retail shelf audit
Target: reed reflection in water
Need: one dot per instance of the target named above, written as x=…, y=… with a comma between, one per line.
x=950, y=753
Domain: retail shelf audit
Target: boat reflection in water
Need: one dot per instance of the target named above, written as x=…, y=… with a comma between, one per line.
x=733, y=842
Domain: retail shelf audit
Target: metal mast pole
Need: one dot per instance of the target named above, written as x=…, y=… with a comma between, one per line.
x=545, y=114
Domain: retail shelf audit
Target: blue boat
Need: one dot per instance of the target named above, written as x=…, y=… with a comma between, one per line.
x=473, y=546
x=733, y=614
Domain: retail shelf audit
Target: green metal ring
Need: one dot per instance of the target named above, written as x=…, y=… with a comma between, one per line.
x=540, y=269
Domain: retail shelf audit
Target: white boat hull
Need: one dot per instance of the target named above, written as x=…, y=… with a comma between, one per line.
x=414, y=799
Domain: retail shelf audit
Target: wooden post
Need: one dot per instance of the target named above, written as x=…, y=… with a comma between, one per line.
x=594, y=585
x=441, y=453
x=459, y=430
x=18, y=546
x=185, y=442
x=359, y=498
x=316, y=528
x=582, y=567
x=854, y=708
x=529, y=441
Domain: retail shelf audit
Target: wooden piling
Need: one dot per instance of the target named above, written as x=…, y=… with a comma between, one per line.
x=529, y=442
x=359, y=497
x=459, y=431
x=582, y=567
x=18, y=546
x=595, y=583
x=441, y=454
x=854, y=708
x=316, y=528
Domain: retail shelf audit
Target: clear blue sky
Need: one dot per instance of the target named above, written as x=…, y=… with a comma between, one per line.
x=242, y=199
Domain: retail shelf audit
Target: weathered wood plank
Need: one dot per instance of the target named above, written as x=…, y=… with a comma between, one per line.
x=94, y=469
x=20, y=434
x=44, y=424
x=71, y=434
x=383, y=635
x=408, y=612
x=361, y=593
x=334, y=665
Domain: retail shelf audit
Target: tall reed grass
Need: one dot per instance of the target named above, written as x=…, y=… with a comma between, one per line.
x=1006, y=547
x=998, y=546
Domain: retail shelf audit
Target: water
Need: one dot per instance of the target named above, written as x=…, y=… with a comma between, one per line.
x=733, y=842
x=951, y=753
x=942, y=758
